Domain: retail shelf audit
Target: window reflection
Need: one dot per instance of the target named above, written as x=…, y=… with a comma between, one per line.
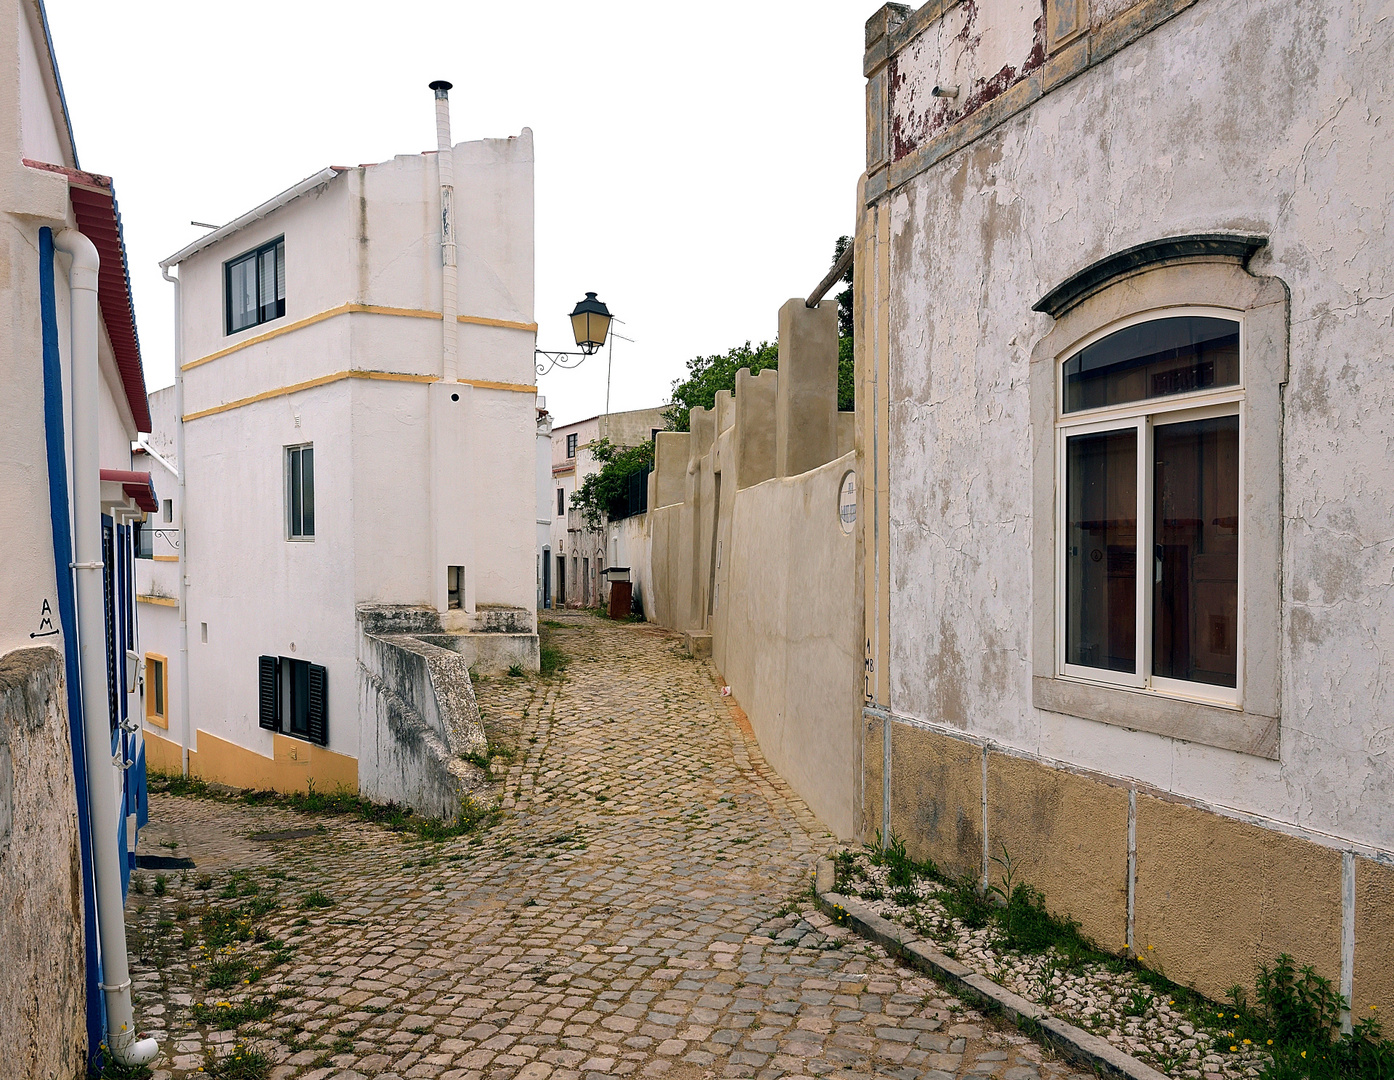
x=1153, y=359
x=1195, y=604
x=1101, y=550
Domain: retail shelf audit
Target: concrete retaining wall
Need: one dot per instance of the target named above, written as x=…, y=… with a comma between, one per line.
x=42, y=980
x=419, y=717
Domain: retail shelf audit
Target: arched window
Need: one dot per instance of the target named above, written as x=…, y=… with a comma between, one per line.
x=1156, y=405
x=1148, y=441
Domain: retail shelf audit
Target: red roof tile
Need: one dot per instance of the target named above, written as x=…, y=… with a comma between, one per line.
x=98, y=218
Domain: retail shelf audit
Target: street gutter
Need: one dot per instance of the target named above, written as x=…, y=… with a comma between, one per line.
x=1072, y=1042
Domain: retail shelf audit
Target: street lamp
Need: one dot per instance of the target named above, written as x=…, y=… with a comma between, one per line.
x=590, y=322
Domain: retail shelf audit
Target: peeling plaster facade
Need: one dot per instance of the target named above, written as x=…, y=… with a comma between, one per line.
x=1120, y=124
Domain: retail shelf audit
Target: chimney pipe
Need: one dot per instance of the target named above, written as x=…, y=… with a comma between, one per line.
x=449, y=280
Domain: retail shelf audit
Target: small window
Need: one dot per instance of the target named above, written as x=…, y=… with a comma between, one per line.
x=454, y=576
x=300, y=492
x=561, y=501
x=1149, y=545
x=156, y=690
x=169, y=511
x=256, y=286
x=571, y=445
x=144, y=540
x=293, y=698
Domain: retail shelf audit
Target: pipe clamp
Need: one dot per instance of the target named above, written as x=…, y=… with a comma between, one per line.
x=114, y=989
x=87, y=565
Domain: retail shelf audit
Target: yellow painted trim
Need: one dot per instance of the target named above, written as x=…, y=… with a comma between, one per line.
x=151, y=716
x=294, y=764
x=506, y=324
x=338, y=376
x=485, y=384
x=310, y=384
x=164, y=558
x=342, y=309
x=351, y=309
x=164, y=756
x=163, y=601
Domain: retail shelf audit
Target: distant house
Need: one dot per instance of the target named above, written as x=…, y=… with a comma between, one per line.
x=359, y=473
x=72, y=400
x=581, y=553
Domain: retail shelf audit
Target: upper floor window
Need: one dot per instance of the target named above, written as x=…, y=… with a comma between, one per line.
x=561, y=501
x=1148, y=529
x=571, y=445
x=143, y=536
x=300, y=492
x=256, y=286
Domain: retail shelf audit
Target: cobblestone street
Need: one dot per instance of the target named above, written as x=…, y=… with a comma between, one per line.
x=641, y=909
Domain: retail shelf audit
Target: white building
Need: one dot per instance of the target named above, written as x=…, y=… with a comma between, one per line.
x=581, y=554
x=72, y=400
x=360, y=425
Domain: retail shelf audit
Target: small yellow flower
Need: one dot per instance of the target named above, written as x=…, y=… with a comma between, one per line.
x=1151, y=947
x=1234, y=1048
x=1304, y=1053
x=1247, y=1042
x=1270, y=1042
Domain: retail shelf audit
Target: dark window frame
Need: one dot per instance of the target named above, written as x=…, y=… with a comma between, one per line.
x=269, y=307
x=571, y=446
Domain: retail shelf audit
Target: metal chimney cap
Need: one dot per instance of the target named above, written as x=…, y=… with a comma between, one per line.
x=441, y=87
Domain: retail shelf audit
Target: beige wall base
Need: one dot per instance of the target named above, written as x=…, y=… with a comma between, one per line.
x=296, y=764
x=1214, y=897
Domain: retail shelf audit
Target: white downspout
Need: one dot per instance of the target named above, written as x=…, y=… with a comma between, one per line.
x=449, y=279
x=87, y=547
x=180, y=467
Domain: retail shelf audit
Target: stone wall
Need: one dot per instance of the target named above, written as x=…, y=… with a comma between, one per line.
x=42, y=979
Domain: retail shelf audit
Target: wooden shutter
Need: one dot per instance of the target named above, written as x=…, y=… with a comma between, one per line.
x=319, y=705
x=269, y=693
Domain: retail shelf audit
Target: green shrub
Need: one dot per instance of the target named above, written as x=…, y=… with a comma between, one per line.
x=1300, y=1011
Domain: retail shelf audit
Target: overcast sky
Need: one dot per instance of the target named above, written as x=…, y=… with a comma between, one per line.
x=695, y=162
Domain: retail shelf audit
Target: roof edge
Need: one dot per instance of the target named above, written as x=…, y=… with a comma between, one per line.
x=254, y=215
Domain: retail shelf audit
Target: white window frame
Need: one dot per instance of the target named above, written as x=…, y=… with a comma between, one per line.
x=292, y=536
x=1142, y=416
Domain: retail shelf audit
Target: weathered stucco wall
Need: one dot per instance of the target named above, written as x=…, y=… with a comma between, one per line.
x=1163, y=138
x=42, y=980
x=748, y=557
x=1156, y=120
x=791, y=643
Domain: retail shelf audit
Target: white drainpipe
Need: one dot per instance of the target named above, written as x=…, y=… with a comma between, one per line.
x=450, y=296
x=179, y=467
x=87, y=544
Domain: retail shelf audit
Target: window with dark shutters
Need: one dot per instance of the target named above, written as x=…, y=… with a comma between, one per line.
x=319, y=705
x=269, y=692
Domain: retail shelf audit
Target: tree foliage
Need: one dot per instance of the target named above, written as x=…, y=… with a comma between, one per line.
x=706, y=375
x=603, y=494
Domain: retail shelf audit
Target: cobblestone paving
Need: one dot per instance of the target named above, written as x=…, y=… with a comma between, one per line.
x=643, y=909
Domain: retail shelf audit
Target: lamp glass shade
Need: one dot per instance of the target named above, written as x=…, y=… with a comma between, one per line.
x=590, y=322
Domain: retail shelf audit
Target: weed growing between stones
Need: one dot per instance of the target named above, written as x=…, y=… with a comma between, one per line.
x=1007, y=933
x=240, y=1063
x=108, y=1068
x=554, y=661
x=473, y=814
